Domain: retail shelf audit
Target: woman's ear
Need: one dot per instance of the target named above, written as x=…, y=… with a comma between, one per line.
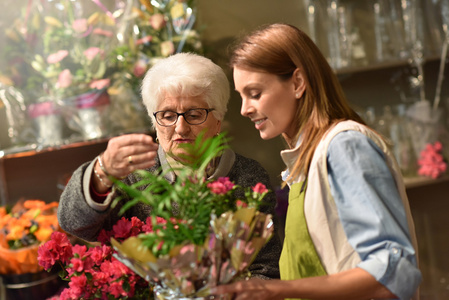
x=299, y=83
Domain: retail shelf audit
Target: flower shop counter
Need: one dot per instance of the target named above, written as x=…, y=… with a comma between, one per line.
x=36, y=173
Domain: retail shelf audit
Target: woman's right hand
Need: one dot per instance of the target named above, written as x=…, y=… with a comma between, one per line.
x=127, y=153
x=123, y=155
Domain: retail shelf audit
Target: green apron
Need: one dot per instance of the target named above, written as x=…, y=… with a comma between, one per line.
x=298, y=258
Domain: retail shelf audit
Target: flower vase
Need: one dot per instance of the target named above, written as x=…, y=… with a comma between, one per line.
x=48, y=121
x=38, y=286
x=90, y=110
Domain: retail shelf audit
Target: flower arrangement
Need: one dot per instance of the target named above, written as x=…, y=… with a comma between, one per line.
x=92, y=272
x=200, y=237
x=431, y=162
x=22, y=229
x=68, y=56
x=74, y=56
x=195, y=238
x=159, y=29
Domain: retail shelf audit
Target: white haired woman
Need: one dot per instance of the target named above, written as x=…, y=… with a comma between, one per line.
x=184, y=94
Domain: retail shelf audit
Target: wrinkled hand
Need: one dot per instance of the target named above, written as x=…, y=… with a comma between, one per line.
x=254, y=288
x=140, y=147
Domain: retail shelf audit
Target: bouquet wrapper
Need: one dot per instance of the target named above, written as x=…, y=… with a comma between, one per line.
x=189, y=271
x=18, y=126
x=87, y=114
x=19, y=261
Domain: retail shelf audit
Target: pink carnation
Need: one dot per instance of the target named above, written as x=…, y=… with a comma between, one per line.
x=92, y=52
x=100, y=84
x=259, y=188
x=80, y=25
x=57, y=57
x=100, y=31
x=148, y=226
x=64, y=79
x=241, y=204
x=431, y=162
x=221, y=186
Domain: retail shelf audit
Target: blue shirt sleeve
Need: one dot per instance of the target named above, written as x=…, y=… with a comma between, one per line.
x=371, y=212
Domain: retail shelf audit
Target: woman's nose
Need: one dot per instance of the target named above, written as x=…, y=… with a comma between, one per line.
x=246, y=109
x=181, y=125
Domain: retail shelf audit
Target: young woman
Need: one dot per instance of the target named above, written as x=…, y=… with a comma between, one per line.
x=349, y=232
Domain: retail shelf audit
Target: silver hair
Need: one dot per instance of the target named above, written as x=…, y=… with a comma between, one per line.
x=186, y=74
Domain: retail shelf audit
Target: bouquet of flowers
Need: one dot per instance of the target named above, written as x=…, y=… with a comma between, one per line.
x=431, y=161
x=92, y=271
x=200, y=238
x=158, y=29
x=74, y=56
x=59, y=57
x=22, y=229
x=84, y=61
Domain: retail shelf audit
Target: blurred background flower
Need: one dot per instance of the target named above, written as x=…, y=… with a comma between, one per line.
x=22, y=229
x=55, y=57
x=61, y=52
x=157, y=29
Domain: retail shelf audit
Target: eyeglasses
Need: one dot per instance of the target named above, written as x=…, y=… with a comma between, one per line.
x=195, y=116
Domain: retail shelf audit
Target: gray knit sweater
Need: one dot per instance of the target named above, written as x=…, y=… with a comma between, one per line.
x=79, y=215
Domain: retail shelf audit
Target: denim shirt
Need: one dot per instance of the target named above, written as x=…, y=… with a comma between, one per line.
x=371, y=211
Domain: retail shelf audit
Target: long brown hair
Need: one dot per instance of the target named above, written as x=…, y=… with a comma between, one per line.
x=280, y=49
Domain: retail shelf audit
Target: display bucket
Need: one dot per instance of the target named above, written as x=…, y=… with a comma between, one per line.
x=37, y=286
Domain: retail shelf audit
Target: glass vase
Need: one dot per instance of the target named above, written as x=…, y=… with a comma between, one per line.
x=48, y=123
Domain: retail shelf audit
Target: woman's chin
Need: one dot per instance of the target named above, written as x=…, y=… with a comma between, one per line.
x=266, y=136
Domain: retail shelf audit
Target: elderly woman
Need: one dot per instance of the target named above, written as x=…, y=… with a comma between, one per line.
x=185, y=94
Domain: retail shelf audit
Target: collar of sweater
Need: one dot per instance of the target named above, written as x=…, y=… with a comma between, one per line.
x=222, y=168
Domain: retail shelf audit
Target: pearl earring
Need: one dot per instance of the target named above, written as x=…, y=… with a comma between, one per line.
x=297, y=95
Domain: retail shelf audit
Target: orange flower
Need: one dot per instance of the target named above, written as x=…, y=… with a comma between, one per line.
x=2, y=212
x=29, y=222
x=28, y=204
x=16, y=233
x=43, y=234
x=47, y=220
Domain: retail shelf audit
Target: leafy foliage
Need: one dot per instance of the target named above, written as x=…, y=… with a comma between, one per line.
x=188, y=203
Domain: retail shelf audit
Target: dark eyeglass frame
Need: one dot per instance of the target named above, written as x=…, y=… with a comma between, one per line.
x=208, y=110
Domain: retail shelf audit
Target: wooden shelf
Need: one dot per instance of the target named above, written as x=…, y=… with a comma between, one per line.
x=415, y=182
x=40, y=173
x=380, y=66
x=33, y=149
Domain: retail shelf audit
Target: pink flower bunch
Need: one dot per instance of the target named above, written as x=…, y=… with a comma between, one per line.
x=93, y=272
x=253, y=195
x=77, y=53
x=91, y=52
x=56, y=57
x=431, y=162
x=221, y=186
x=57, y=249
x=259, y=188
